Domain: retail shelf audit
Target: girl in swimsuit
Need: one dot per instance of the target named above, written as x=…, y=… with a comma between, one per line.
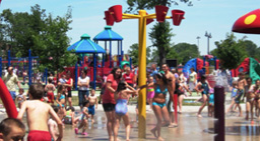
x=159, y=107
x=150, y=92
x=203, y=87
x=61, y=101
x=122, y=94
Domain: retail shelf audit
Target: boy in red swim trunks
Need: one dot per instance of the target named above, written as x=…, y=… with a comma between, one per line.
x=38, y=115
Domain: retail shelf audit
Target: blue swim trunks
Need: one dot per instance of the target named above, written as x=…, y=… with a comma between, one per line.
x=91, y=109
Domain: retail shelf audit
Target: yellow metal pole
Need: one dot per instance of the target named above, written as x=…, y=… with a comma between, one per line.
x=142, y=75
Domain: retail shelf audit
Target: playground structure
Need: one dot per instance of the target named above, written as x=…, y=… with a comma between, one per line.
x=249, y=66
x=97, y=69
x=24, y=67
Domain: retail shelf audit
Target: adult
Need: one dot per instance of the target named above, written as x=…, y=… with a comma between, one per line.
x=171, y=91
x=161, y=87
x=83, y=83
x=11, y=80
x=108, y=100
x=192, y=79
x=69, y=85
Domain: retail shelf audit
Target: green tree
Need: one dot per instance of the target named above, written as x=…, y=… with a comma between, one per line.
x=252, y=49
x=44, y=34
x=230, y=52
x=183, y=52
x=161, y=38
x=133, y=53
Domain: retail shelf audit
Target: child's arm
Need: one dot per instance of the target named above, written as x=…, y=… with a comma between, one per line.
x=24, y=97
x=85, y=112
x=197, y=88
x=22, y=110
x=72, y=118
x=57, y=99
x=96, y=102
x=59, y=123
x=51, y=130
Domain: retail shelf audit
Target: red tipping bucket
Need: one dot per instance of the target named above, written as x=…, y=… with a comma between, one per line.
x=161, y=12
x=148, y=21
x=109, y=18
x=117, y=12
x=177, y=16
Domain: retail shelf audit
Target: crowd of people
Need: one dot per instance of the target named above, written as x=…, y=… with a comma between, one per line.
x=118, y=87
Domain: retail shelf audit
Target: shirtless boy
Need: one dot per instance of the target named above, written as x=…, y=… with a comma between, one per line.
x=92, y=101
x=171, y=81
x=241, y=86
x=38, y=115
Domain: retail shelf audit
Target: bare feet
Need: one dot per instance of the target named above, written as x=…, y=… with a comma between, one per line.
x=111, y=138
x=160, y=139
x=199, y=115
x=240, y=115
x=153, y=131
x=173, y=125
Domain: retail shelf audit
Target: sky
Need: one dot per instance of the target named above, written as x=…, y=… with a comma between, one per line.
x=214, y=16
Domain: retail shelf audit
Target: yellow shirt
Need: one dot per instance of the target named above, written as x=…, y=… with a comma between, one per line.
x=10, y=81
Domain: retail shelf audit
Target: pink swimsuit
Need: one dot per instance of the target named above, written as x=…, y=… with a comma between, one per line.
x=150, y=93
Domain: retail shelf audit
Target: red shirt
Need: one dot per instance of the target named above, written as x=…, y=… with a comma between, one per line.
x=68, y=82
x=108, y=97
x=129, y=78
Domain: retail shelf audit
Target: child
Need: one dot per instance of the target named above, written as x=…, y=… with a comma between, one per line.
x=69, y=118
x=233, y=96
x=211, y=102
x=150, y=92
x=53, y=127
x=38, y=115
x=92, y=101
x=21, y=97
x=12, y=129
x=83, y=121
x=203, y=87
x=122, y=94
x=181, y=91
x=254, y=99
x=61, y=101
x=50, y=88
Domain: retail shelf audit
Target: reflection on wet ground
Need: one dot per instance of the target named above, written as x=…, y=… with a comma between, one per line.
x=190, y=128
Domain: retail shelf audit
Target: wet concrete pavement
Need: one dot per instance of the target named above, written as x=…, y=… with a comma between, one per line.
x=191, y=128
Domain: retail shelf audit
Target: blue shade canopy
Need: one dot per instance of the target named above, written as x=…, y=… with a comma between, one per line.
x=85, y=45
x=108, y=34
